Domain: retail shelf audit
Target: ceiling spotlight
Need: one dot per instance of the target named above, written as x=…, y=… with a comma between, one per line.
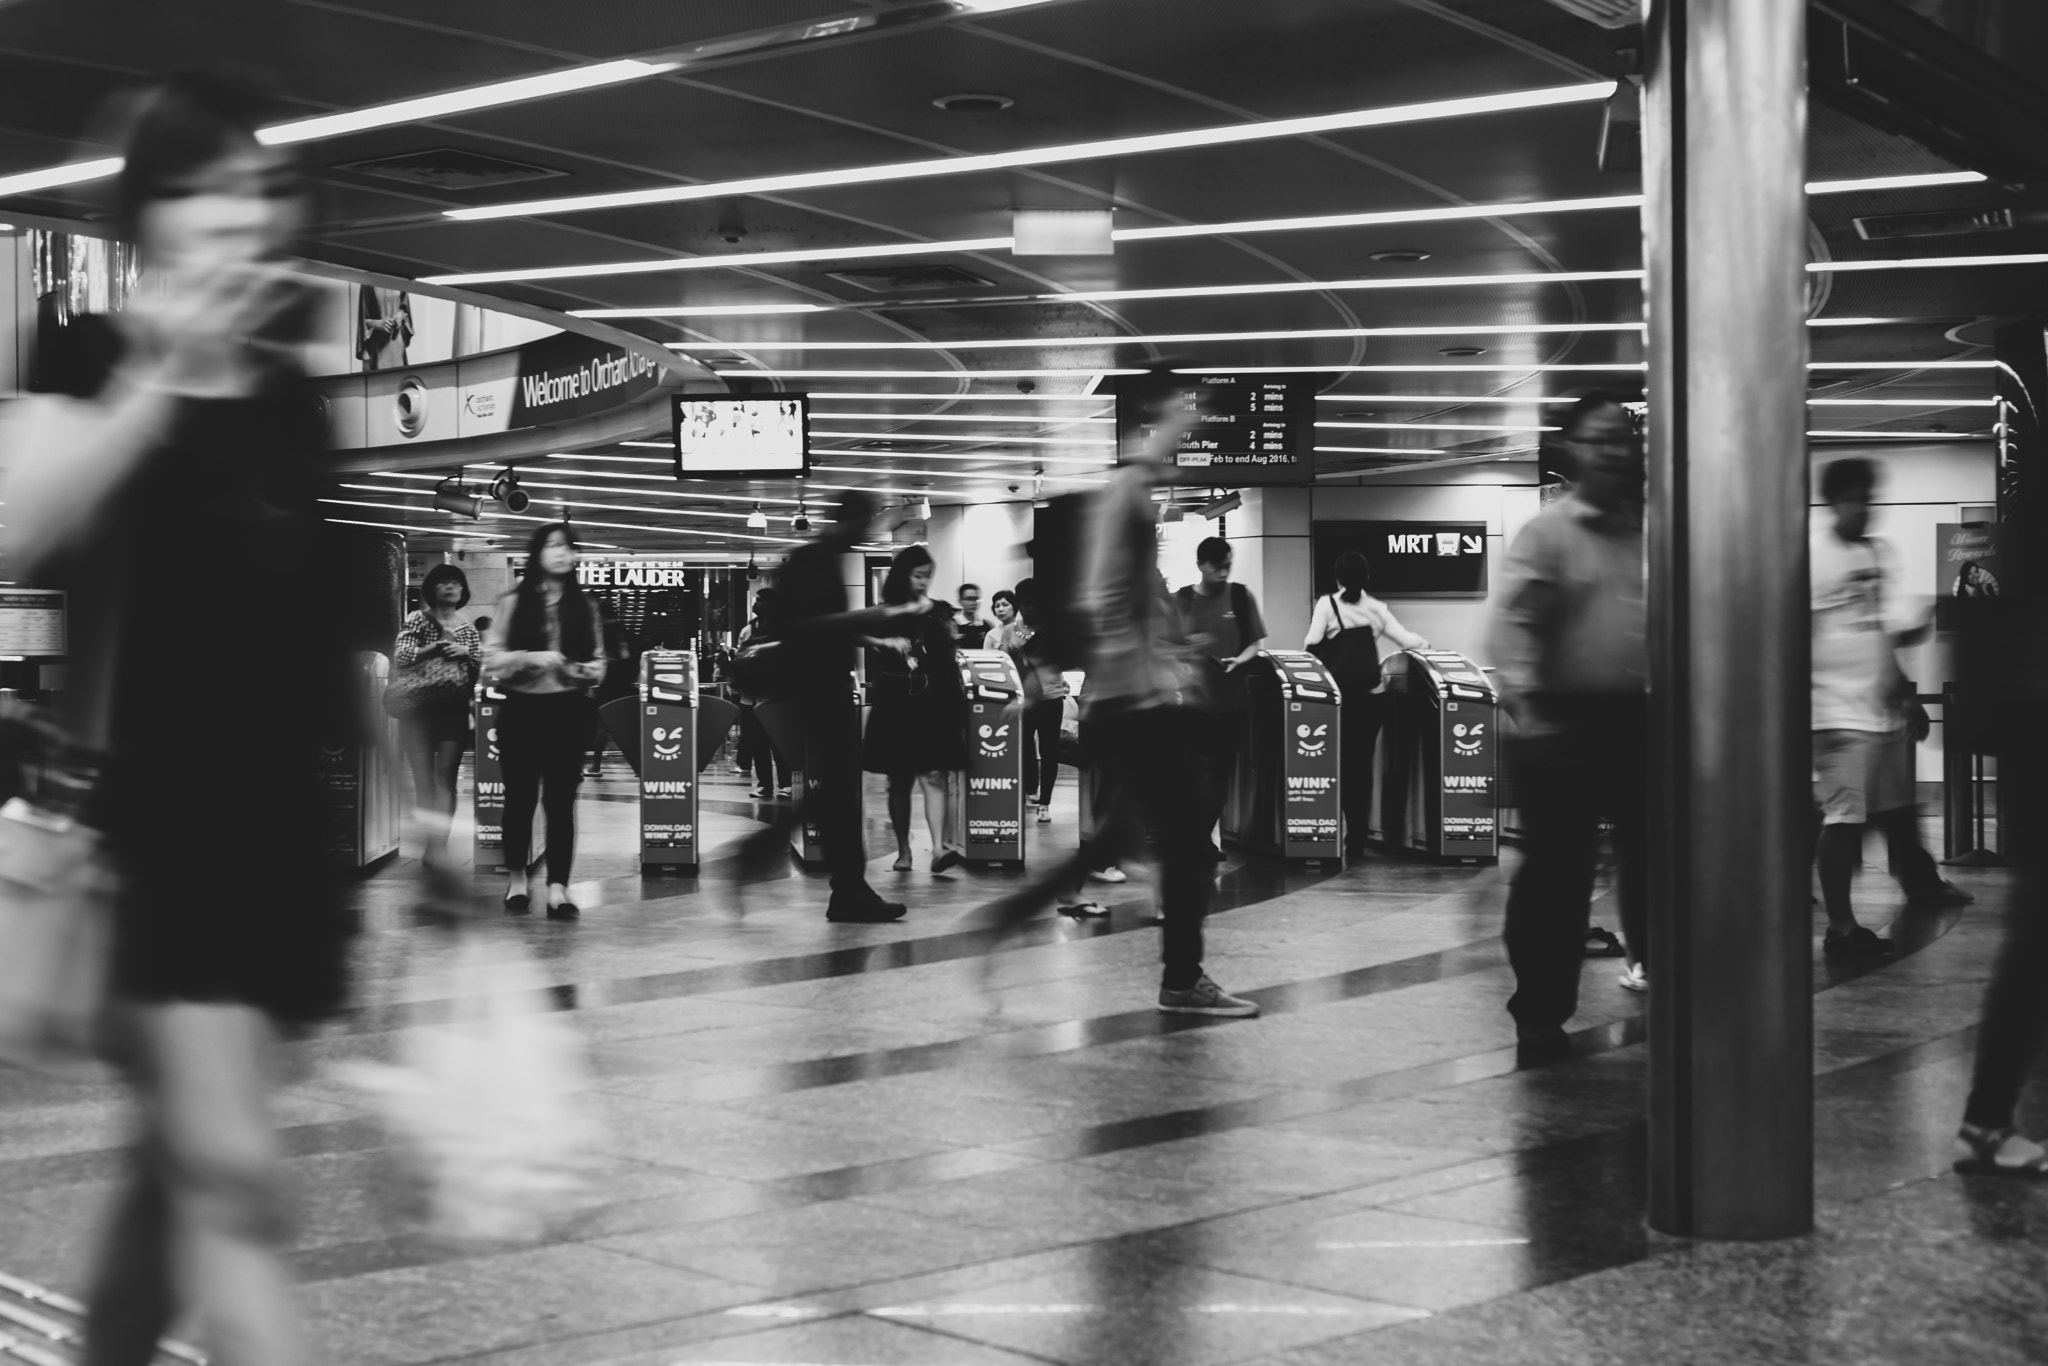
x=922, y=509
x=757, y=519
x=505, y=489
x=753, y=570
x=1400, y=256
x=802, y=520
x=450, y=496
x=1461, y=351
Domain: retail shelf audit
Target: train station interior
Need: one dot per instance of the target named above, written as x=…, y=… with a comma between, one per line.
x=694, y=277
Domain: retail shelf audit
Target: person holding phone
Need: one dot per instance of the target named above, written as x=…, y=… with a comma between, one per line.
x=435, y=732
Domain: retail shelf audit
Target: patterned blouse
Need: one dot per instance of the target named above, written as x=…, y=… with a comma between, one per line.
x=421, y=630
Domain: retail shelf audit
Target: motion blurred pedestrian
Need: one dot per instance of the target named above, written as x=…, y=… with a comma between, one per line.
x=546, y=654
x=1045, y=703
x=1570, y=661
x=434, y=733
x=917, y=711
x=1345, y=632
x=1862, y=737
x=1221, y=622
x=757, y=754
x=176, y=450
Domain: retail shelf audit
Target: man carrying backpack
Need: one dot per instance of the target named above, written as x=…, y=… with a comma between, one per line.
x=1345, y=634
x=1220, y=621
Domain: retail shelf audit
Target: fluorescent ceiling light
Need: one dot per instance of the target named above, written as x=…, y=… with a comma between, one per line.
x=1502, y=399
x=427, y=107
x=629, y=459
x=417, y=110
x=1224, y=135
x=982, y=477
x=1449, y=213
x=422, y=530
x=1902, y=365
x=990, y=438
x=1902, y=402
x=886, y=396
x=1530, y=368
x=765, y=373
x=995, y=6
x=581, y=488
x=2032, y=258
x=1436, y=427
x=1159, y=338
x=614, y=474
x=699, y=311
x=1531, y=277
x=1895, y=182
x=1031, y=418
x=1910, y=436
x=614, y=526
x=1378, y=450
x=976, y=458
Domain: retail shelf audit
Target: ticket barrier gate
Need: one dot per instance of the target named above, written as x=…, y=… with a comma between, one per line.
x=1438, y=757
x=1285, y=794
x=670, y=836
x=359, y=774
x=489, y=771
x=990, y=810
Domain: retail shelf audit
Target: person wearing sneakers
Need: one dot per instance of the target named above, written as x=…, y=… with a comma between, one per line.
x=1862, y=739
x=1138, y=664
x=1571, y=663
x=1045, y=701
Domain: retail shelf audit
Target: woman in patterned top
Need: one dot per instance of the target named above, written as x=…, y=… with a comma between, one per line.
x=435, y=736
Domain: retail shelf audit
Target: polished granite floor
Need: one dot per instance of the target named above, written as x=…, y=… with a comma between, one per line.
x=847, y=1144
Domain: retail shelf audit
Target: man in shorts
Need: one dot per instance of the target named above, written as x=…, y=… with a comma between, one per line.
x=1862, y=739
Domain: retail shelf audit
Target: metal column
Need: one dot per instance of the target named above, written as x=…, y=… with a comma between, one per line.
x=1724, y=219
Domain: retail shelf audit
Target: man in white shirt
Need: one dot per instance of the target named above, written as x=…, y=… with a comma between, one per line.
x=1862, y=743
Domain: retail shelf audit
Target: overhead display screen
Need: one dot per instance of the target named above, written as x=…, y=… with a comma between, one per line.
x=741, y=438
x=1408, y=559
x=32, y=623
x=1248, y=430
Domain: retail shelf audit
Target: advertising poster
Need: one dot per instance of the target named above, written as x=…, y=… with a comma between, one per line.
x=993, y=804
x=1469, y=749
x=1966, y=568
x=1309, y=757
x=490, y=780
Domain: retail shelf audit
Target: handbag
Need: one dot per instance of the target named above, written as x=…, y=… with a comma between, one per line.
x=57, y=891
x=1351, y=654
x=427, y=682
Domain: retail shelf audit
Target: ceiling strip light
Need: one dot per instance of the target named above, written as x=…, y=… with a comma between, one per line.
x=1911, y=436
x=1159, y=338
x=1223, y=135
x=399, y=526
x=1032, y=418
x=724, y=261
x=1531, y=277
x=1533, y=367
x=1501, y=399
x=991, y=438
x=1378, y=450
x=2032, y=258
x=1449, y=213
x=765, y=373
x=51, y=177
x=700, y=311
x=978, y=458
x=1902, y=402
x=981, y=476
x=1435, y=427
x=897, y=396
x=1896, y=182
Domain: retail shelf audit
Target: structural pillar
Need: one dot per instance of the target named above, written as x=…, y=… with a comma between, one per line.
x=1730, y=953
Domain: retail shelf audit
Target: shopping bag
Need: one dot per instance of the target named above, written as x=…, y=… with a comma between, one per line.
x=57, y=890
x=489, y=1106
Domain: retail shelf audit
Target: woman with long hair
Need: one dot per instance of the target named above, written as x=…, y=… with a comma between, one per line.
x=545, y=652
x=1045, y=703
x=917, y=715
x=1357, y=622
x=175, y=448
x=435, y=734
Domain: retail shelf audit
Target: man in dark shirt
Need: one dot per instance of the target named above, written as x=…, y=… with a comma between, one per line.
x=812, y=616
x=972, y=629
x=1220, y=621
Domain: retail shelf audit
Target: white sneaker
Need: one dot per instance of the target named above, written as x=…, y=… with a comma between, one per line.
x=1109, y=874
x=1045, y=814
x=1635, y=978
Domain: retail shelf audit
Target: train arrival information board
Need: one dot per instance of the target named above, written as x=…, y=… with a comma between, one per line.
x=1248, y=429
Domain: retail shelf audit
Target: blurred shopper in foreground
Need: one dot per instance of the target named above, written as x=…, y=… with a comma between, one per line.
x=917, y=710
x=1862, y=742
x=1221, y=622
x=434, y=667
x=815, y=633
x=1126, y=630
x=757, y=753
x=545, y=651
x=1571, y=662
x=1345, y=633
x=174, y=455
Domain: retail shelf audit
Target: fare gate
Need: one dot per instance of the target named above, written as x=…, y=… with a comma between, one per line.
x=1439, y=757
x=992, y=805
x=669, y=833
x=1285, y=797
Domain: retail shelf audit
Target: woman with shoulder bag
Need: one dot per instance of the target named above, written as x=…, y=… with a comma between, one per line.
x=1045, y=701
x=1344, y=634
x=434, y=670
x=174, y=448
x=544, y=650
x=917, y=717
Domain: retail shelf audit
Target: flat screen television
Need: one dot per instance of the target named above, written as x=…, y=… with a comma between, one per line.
x=724, y=437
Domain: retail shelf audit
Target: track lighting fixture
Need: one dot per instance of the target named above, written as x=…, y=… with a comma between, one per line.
x=757, y=519
x=505, y=489
x=753, y=570
x=922, y=509
x=450, y=496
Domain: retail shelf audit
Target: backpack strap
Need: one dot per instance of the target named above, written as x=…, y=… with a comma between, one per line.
x=1240, y=603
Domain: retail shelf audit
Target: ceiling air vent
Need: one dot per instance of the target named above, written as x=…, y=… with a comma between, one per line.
x=1948, y=223
x=1606, y=13
x=905, y=279
x=449, y=168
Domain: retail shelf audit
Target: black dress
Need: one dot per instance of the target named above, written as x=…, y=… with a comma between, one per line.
x=917, y=713
x=229, y=678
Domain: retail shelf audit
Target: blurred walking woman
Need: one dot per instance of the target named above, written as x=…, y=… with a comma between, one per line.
x=543, y=651
x=1345, y=633
x=436, y=642
x=917, y=717
x=166, y=477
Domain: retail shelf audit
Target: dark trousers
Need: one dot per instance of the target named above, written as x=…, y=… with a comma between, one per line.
x=832, y=778
x=758, y=753
x=2015, y=1022
x=1596, y=764
x=541, y=737
x=1219, y=738
x=1146, y=779
x=1042, y=747
x=1361, y=733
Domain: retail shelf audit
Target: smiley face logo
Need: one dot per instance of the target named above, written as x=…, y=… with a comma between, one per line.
x=1468, y=739
x=668, y=742
x=994, y=740
x=1311, y=741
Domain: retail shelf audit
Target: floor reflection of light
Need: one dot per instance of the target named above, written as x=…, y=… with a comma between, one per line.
x=1377, y=1243
x=934, y=1311
x=778, y=1311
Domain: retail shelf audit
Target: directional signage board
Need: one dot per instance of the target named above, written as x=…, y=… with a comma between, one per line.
x=1246, y=430
x=1408, y=559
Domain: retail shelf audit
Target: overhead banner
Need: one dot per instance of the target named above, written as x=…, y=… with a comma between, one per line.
x=570, y=375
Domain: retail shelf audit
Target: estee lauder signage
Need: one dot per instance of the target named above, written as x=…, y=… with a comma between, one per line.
x=634, y=573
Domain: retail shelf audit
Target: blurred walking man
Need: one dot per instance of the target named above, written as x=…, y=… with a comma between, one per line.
x=1571, y=662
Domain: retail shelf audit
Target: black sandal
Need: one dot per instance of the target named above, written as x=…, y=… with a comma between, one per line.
x=1603, y=943
x=518, y=904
